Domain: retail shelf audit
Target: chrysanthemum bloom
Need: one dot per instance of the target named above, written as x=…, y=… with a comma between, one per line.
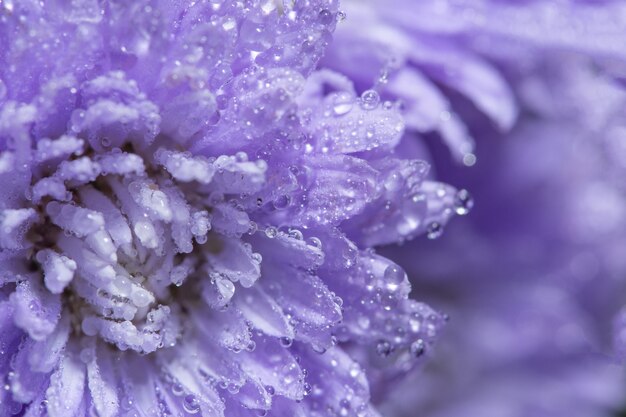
x=534, y=276
x=188, y=212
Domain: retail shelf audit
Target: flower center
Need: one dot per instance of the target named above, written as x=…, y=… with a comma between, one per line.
x=116, y=239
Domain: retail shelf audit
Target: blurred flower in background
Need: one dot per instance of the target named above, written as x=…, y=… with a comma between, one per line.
x=530, y=97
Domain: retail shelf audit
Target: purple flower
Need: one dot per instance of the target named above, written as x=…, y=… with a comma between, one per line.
x=188, y=211
x=533, y=278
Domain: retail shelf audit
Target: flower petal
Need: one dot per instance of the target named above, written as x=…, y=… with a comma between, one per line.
x=36, y=311
x=67, y=386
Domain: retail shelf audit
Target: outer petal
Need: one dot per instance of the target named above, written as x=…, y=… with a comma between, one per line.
x=67, y=387
x=102, y=381
x=36, y=311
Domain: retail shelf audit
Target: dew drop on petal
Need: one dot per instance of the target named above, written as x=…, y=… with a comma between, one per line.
x=282, y=202
x=394, y=274
x=417, y=348
x=191, y=404
x=369, y=99
x=469, y=159
x=463, y=202
x=434, y=230
x=325, y=16
x=141, y=297
x=177, y=389
x=271, y=232
x=342, y=103
x=383, y=348
x=315, y=242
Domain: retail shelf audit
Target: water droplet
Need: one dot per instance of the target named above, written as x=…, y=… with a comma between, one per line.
x=338, y=300
x=463, y=202
x=271, y=232
x=434, y=230
x=350, y=254
x=325, y=16
x=384, y=348
x=369, y=99
x=286, y=341
x=418, y=348
x=90, y=326
x=140, y=297
x=295, y=234
x=86, y=355
x=43, y=406
x=315, y=242
x=342, y=103
x=241, y=156
x=469, y=159
x=191, y=404
x=282, y=202
x=394, y=274
x=177, y=389
x=344, y=404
